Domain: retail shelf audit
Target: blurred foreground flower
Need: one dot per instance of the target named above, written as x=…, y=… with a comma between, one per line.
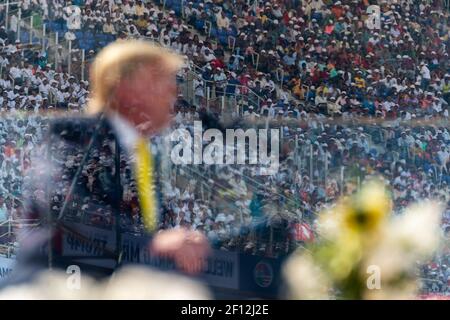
x=364, y=253
x=133, y=282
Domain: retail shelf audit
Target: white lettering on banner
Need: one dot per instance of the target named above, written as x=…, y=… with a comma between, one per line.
x=6, y=267
x=94, y=241
x=131, y=249
x=221, y=269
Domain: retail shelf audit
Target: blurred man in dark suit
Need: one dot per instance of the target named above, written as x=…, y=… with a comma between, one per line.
x=79, y=177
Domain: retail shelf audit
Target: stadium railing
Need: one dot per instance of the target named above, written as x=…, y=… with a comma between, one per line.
x=8, y=234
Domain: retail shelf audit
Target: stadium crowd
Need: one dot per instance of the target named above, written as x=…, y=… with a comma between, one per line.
x=316, y=67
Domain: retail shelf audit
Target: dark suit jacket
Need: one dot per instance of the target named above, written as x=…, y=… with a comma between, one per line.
x=69, y=200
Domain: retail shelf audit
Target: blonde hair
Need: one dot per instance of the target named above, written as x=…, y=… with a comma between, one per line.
x=119, y=60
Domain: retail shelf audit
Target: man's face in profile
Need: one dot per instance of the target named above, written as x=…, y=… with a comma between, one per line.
x=146, y=98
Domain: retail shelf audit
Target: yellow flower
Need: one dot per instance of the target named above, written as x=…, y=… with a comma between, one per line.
x=347, y=252
x=366, y=211
x=357, y=234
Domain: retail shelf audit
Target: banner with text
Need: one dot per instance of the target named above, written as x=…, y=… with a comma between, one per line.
x=221, y=269
x=6, y=267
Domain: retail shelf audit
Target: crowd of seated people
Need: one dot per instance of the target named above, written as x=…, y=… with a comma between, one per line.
x=310, y=55
x=318, y=70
